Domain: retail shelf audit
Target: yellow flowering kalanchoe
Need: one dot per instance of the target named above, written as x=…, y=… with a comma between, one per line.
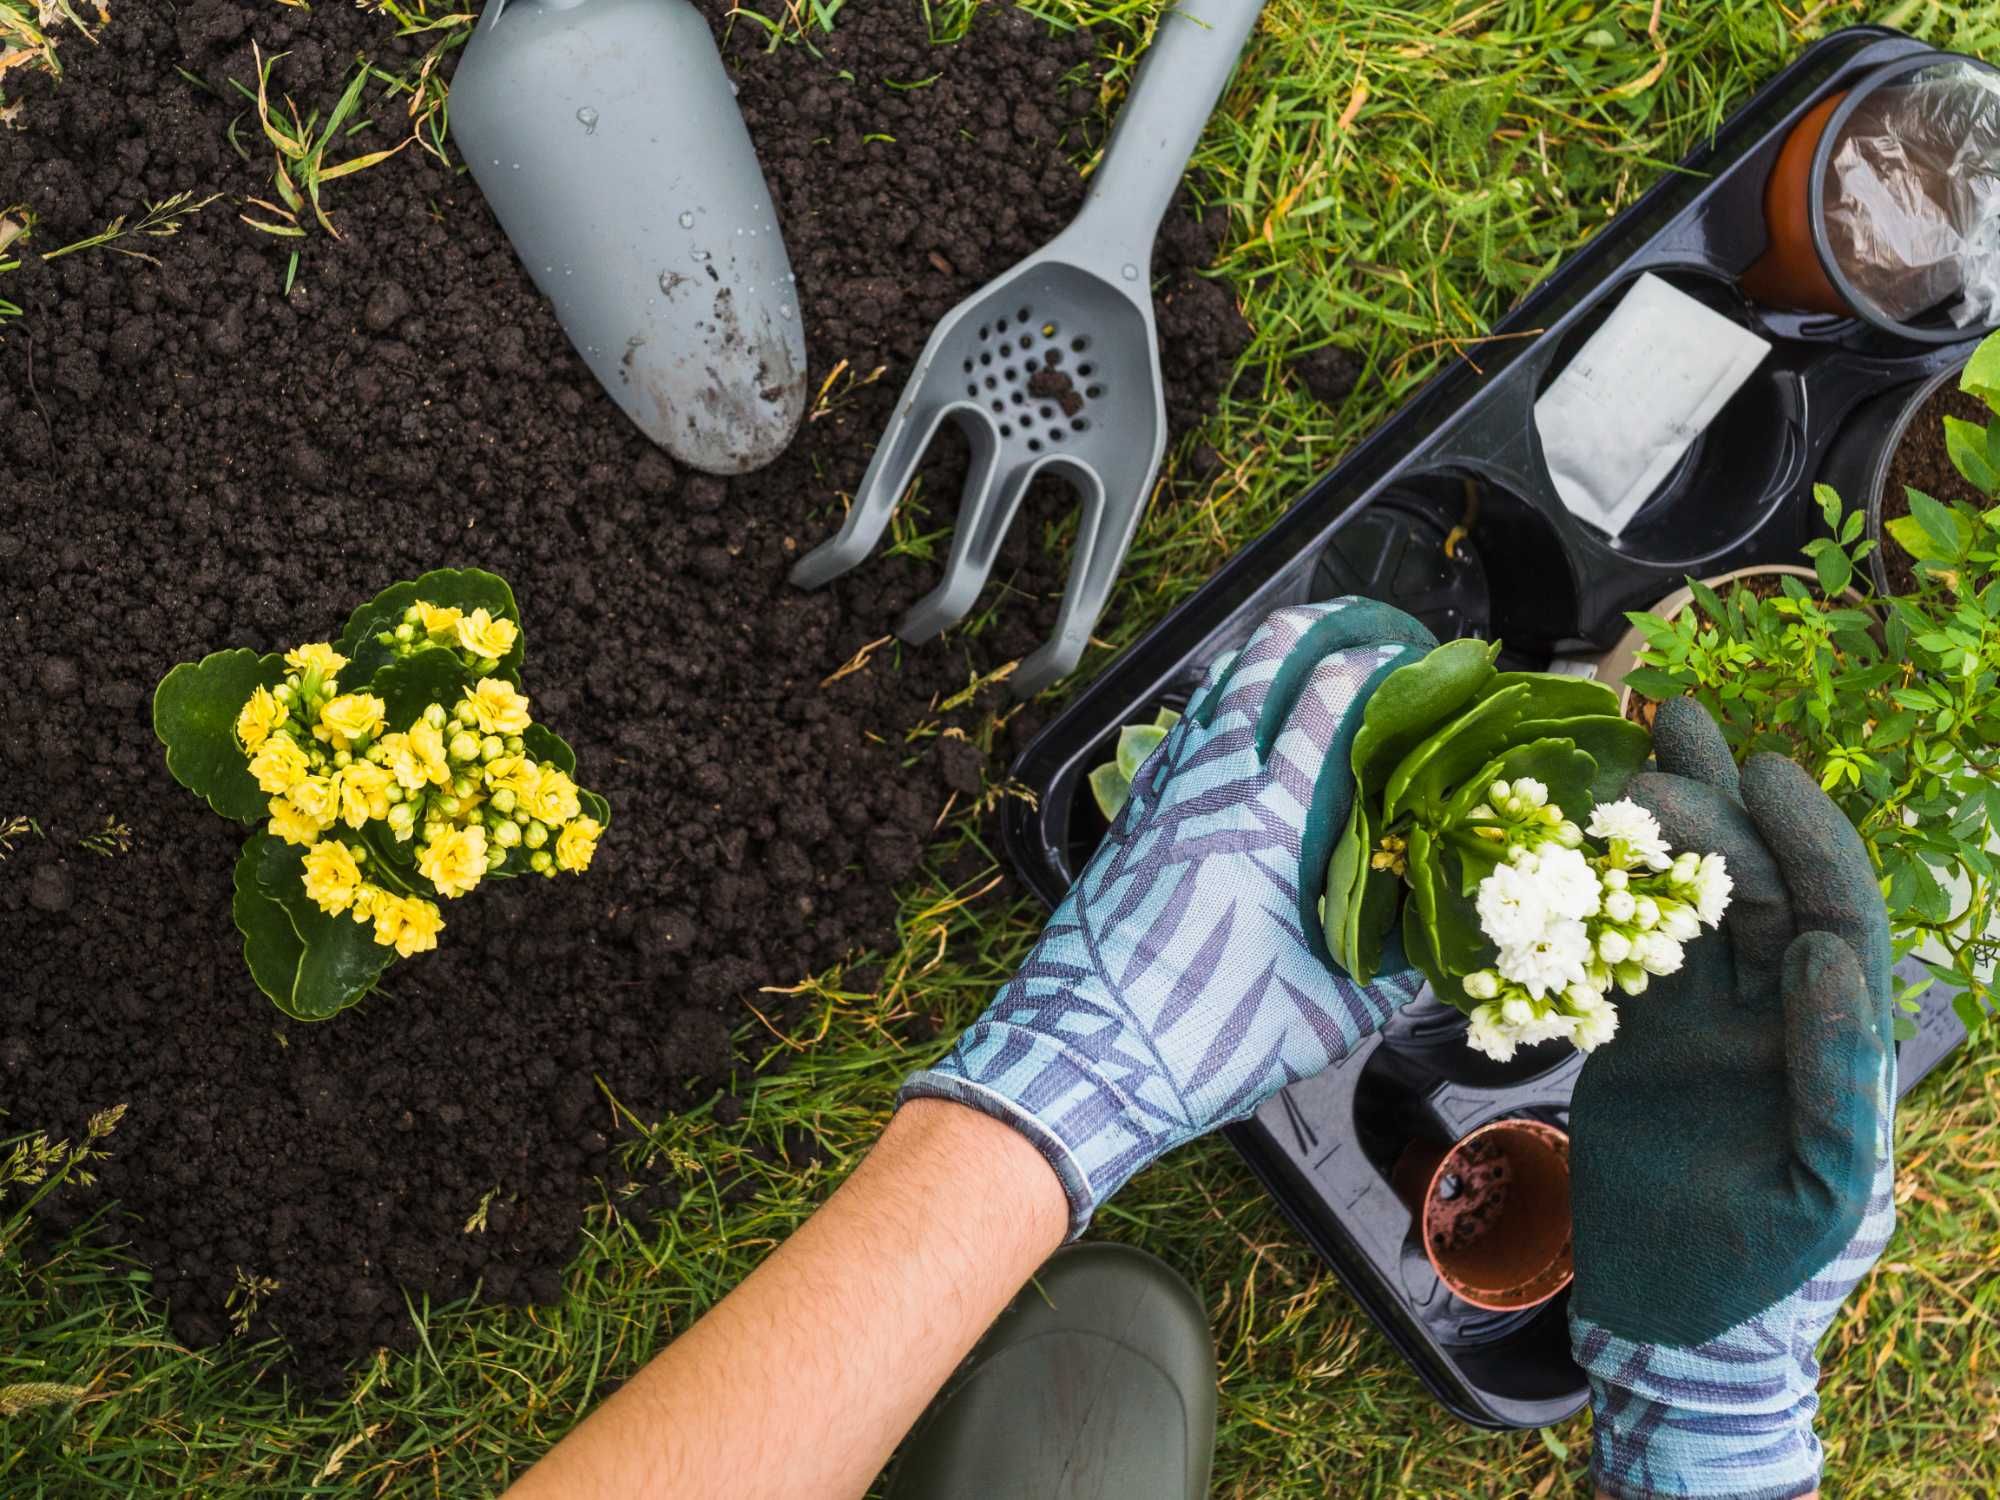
x=380, y=799
x=445, y=800
x=262, y=714
x=332, y=876
x=351, y=719
x=486, y=637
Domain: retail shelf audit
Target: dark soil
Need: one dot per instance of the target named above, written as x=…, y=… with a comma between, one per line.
x=194, y=459
x=1470, y=1194
x=1922, y=463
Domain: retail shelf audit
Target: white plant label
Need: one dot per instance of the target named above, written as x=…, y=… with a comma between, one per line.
x=1636, y=396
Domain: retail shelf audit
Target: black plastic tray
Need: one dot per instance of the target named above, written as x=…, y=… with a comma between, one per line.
x=1325, y=1146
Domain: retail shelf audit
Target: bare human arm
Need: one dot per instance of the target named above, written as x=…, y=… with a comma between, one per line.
x=801, y=1382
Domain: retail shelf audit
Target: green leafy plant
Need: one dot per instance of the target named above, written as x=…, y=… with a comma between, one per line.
x=392, y=770
x=1890, y=701
x=1111, y=783
x=1489, y=836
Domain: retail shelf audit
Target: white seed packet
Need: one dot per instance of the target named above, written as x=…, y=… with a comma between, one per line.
x=1636, y=396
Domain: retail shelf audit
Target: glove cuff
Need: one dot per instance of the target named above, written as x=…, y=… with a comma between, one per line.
x=1081, y=1122
x=1729, y=1418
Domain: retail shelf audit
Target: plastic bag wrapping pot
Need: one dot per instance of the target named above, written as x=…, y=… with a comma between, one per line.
x=1884, y=203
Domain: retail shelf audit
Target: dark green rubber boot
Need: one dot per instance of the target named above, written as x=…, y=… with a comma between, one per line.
x=1097, y=1384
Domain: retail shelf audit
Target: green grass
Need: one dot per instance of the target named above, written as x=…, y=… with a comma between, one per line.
x=1364, y=158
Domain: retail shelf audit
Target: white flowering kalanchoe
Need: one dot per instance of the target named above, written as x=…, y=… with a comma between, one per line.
x=1569, y=922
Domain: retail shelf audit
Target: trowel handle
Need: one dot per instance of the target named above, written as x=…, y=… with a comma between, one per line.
x=1194, y=51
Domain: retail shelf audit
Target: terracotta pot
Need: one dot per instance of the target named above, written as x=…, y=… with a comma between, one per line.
x=1802, y=268
x=1790, y=273
x=1493, y=1212
x=1614, y=664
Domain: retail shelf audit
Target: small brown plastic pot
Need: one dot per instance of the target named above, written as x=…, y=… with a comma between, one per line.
x=1801, y=268
x=1493, y=1211
x=1790, y=273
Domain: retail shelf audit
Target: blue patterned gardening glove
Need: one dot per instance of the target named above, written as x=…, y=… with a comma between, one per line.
x=1185, y=978
x=1731, y=1148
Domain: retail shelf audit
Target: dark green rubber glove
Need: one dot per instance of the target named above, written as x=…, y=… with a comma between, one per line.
x=1731, y=1147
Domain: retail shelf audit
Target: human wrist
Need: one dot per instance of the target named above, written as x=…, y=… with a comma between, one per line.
x=1699, y=1423
x=930, y=1136
x=1051, y=1096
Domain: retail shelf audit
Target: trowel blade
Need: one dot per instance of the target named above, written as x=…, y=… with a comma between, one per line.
x=605, y=134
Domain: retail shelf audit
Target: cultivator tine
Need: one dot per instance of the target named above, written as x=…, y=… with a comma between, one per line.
x=1103, y=536
x=984, y=514
x=889, y=474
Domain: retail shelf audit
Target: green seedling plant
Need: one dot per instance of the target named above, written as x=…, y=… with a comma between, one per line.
x=394, y=769
x=1489, y=838
x=1111, y=783
x=1890, y=701
x=302, y=145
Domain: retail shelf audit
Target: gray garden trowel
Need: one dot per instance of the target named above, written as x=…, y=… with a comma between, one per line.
x=1054, y=367
x=606, y=136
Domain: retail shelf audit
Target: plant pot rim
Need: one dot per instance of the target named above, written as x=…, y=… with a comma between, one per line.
x=1549, y=1278
x=1921, y=395
x=1864, y=308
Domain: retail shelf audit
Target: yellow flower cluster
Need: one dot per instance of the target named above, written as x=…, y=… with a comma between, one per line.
x=460, y=783
x=483, y=638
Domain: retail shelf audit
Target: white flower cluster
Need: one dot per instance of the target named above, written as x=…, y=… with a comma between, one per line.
x=1571, y=920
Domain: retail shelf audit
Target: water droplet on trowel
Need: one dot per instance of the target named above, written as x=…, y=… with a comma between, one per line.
x=700, y=256
x=1130, y=273
x=587, y=118
x=687, y=219
x=785, y=311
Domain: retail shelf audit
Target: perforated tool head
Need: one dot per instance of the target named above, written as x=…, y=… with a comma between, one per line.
x=1053, y=369
x=1052, y=372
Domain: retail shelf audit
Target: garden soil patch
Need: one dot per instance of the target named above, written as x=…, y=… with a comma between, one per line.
x=194, y=459
x=1923, y=463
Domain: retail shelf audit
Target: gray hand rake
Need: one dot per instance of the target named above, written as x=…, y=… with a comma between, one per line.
x=1053, y=367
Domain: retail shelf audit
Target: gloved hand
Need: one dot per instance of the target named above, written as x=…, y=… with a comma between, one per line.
x=1731, y=1149
x=1185, y=978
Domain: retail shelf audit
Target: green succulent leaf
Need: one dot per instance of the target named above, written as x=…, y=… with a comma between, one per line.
x=595, y=806
x=1339, y=914
x=1421, y=938
x=1414, y=700
x=1568, y=773
x=548, y=748
x=1109, y=787
x=1558, y=695
x=464, y=588
x=1477, y=857
x=1135, y=743
x=1618, y=746
x=339, y=961
x=1381, y=896
x=1449, y=754
x=410, y=684
x=194, y=714
x=271, y=948
x=1166, y=718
